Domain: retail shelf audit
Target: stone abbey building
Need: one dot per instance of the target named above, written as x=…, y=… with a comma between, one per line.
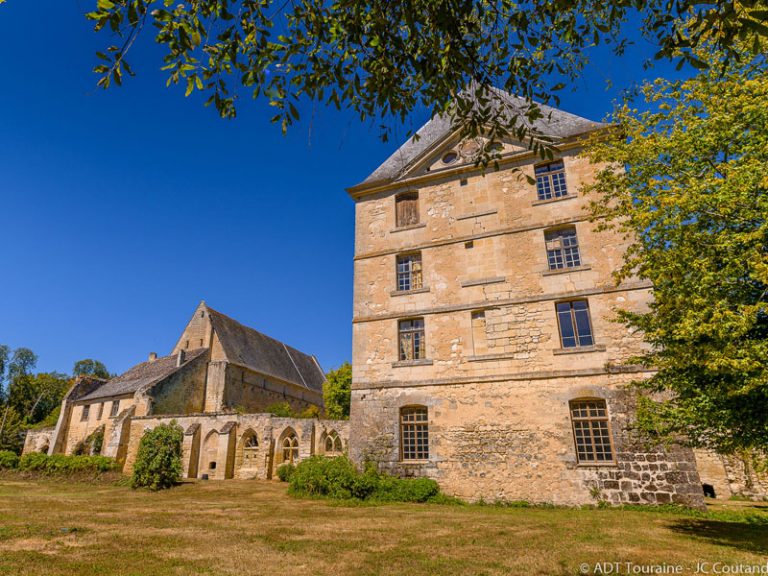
x=217, y=383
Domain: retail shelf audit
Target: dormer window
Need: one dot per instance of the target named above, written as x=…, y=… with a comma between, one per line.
x=407, y=209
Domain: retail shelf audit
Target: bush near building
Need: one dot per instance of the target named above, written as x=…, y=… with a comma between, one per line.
x=338, y=478
x=158, y=460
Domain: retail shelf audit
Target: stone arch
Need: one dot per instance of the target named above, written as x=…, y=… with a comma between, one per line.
x=249, y=448
x=209, y=454
x=287, y=447
x=330, y=443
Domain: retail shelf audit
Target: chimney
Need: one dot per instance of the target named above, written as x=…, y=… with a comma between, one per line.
x=152, y=356
x=180, y=358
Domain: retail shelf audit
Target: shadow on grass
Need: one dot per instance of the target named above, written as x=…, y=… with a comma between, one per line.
x=747, y=536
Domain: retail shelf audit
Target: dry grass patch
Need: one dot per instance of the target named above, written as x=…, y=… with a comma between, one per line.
x=248, y=527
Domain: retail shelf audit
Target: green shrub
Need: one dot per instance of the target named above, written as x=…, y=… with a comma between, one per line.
x=158, y=460
x=338, y=478
x=59, y=464
x=285, y=472
x=8, y=460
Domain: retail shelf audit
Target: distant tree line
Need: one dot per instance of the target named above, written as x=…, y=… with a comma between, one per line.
x=29, y=399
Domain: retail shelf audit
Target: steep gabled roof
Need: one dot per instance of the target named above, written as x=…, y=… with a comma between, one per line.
x=141, y=375
x=554, y=123
x=258, y=352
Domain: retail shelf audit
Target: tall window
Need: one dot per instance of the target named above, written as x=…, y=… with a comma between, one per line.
x=409, y=272
x=86, y=412
x=115, y=408
x=479, y=337
x=562, y=248
x=407, y=209
x=575, y=327
x=101, y=411
x=591, y=431
x=411, y=338
x=290, y=448
x=550, y=180
x=414, y=433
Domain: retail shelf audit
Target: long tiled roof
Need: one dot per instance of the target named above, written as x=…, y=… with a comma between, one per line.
x=554, y=123
x=260, y=353
x=141, y=375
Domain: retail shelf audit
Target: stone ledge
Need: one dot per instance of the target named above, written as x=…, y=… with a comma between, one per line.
x=407, y=292
x=411, y=227
x=408, y=363
x=489, y=357
x=551, y=200
x=607, y=289
x=509, y=377
x=483, y=281
x=477, y=214
x=579, y=350
x=566, y=270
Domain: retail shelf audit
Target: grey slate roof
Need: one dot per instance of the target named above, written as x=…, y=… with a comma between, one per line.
x=260, y=353
x=143, y=374
x=554, y=123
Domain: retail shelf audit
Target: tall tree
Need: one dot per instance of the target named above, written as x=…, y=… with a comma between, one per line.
x=22, y=363
x=337, y=392
x=687, y=182
x=382, y=58
x=90, y=367
x=5, y=353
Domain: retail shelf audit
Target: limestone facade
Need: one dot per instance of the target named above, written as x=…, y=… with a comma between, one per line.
x=493, y=380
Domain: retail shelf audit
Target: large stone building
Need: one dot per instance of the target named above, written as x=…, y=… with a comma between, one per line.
x=486, y=353
x=217, y=383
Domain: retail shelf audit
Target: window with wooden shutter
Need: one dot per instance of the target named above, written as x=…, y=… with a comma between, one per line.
x=407, y=209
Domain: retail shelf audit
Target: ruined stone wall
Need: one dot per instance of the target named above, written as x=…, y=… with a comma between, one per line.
x=221, y=437
x=513, y=440
x=38, y=440
x=731, y=475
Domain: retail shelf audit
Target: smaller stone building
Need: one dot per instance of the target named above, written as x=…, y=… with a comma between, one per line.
x=217, y=383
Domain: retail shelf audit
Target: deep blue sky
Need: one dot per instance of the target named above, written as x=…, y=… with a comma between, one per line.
x=121, y=210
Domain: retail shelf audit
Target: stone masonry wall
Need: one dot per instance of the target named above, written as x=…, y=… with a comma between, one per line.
x=513, y=440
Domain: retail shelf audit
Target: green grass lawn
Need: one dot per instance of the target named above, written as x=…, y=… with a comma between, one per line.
x=249, y=527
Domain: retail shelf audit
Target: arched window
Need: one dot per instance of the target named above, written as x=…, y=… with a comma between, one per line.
x=250, y=445
x=290, y=448
x=414, y=433
x=591, y=431
x=333, y=443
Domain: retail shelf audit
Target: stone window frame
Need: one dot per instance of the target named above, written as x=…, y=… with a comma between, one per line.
x=332, y=445
x=289, y=447
x=417, y=344
x=85, y=413
x=599, y=421
x=551, y=183
x=561, y=244
x=100, y=413
x=574, y=324
x=414, y=433
x=413, y=275
x=115, y=410
x=405, y=217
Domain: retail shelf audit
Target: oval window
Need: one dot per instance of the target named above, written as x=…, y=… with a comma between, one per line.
x=450, y=157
